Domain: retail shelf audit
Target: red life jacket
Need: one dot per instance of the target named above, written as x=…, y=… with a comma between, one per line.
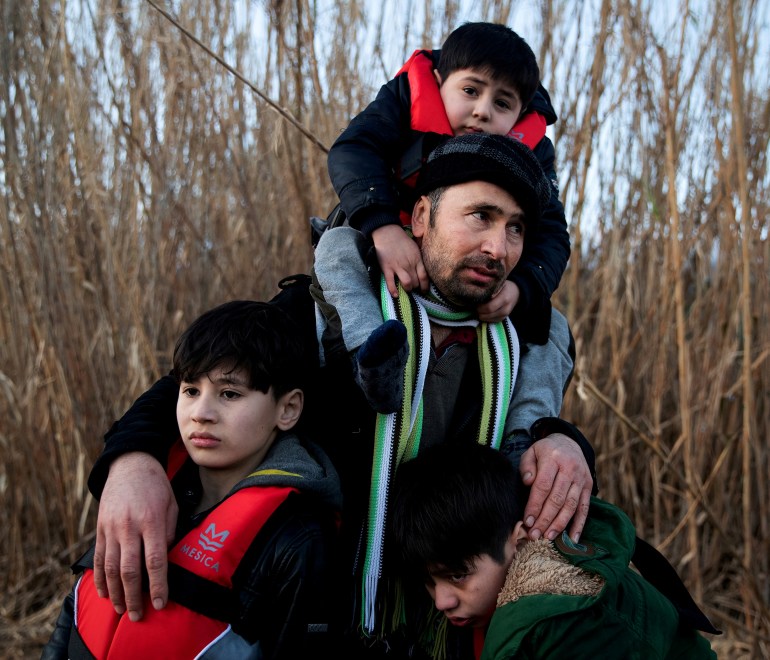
x=202, y=563
x=428, y=115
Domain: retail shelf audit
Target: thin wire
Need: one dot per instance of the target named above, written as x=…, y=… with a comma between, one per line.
x=281, y=111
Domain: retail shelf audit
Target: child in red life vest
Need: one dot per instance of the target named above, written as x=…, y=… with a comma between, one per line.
x=456, y=530
x=484, y=79
x=249, y=567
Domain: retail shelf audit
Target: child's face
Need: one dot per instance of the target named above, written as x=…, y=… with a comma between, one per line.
x=476, y=103
x=226, y=425
x=468, y=598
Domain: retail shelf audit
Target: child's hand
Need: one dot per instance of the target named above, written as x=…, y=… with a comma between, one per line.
x=400, y=258
x=501, y=304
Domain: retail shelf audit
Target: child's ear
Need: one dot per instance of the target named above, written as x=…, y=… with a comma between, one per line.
x=437, y=76
x=290, y=408
x=519, y=536
x=420, y=216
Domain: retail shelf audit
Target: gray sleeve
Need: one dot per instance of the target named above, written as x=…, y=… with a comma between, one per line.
x=544, y=372
x=345, y=300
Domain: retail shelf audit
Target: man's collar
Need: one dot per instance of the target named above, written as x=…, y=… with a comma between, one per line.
x=461, y=335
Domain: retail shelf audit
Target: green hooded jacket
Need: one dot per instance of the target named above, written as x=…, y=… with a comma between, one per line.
x=627, y=618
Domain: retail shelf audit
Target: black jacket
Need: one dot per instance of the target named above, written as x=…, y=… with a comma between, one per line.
x=379, y=142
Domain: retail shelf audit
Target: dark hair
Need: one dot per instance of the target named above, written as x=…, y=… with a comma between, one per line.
x=451, y=504
x=494, y=49
x=243, y=334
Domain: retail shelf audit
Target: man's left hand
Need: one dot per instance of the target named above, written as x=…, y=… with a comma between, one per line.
x=560, y=487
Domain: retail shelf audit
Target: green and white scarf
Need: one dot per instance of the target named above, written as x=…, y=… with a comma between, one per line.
x=397, y=435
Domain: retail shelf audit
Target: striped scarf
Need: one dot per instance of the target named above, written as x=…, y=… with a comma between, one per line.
x=397, y=435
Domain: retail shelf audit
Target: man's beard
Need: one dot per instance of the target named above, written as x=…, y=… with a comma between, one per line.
x=450, y=282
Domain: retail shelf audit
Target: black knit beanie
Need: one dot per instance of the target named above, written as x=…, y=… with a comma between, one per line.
x=496, y=159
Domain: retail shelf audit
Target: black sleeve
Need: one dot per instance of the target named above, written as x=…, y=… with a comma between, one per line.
x=541, y=103
x=56, y=648
x=149, y=426
x=542, y=264
x=286, y=597
x=547, y=425
x=362, y=160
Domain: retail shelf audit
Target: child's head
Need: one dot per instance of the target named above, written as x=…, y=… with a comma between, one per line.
x=488, y=74
x=241, y=369
x=494, y=49
x=256, y=337
x=455, y=523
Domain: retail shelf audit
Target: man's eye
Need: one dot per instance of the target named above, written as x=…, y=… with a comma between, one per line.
x=231, y=395
x=190, y=391
x=471, y=91
x=516, y=229
x=504, y=105
x=457, y=577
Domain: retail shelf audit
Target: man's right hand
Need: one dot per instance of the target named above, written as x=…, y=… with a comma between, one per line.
x=137, y=509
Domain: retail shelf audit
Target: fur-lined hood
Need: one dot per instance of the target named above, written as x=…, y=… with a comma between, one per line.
x=582, y=600
x=538, y=568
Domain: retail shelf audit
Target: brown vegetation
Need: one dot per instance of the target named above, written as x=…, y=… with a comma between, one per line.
x=144, y=182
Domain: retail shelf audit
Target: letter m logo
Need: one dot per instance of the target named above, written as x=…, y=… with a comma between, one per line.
x=212, y=540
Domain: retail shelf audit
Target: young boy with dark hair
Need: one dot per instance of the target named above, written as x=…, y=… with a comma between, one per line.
x=456, y=527
x=249, y=566
x=484, y=79
x=494, y=49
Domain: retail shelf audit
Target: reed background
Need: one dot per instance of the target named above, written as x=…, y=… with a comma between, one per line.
x=144, y=182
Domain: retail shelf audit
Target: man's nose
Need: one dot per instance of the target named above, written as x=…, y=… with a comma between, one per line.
x=495, y=243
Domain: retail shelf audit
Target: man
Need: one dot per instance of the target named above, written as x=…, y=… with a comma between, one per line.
x=481, y=194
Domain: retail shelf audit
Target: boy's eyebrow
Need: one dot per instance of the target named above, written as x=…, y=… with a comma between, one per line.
x=230, y=378
x=504, y=91
x=444, y=571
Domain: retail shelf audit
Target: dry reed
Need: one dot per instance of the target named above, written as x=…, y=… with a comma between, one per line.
x=143, y=182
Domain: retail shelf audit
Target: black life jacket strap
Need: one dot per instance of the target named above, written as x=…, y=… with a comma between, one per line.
x=77, y=649
x=203, y=596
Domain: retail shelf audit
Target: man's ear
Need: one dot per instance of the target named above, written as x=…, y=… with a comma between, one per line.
x=437, y=76
x=289, y=409
x=420, y=216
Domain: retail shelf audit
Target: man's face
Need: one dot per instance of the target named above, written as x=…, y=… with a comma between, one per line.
x=477, y=103
x=471, y=242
